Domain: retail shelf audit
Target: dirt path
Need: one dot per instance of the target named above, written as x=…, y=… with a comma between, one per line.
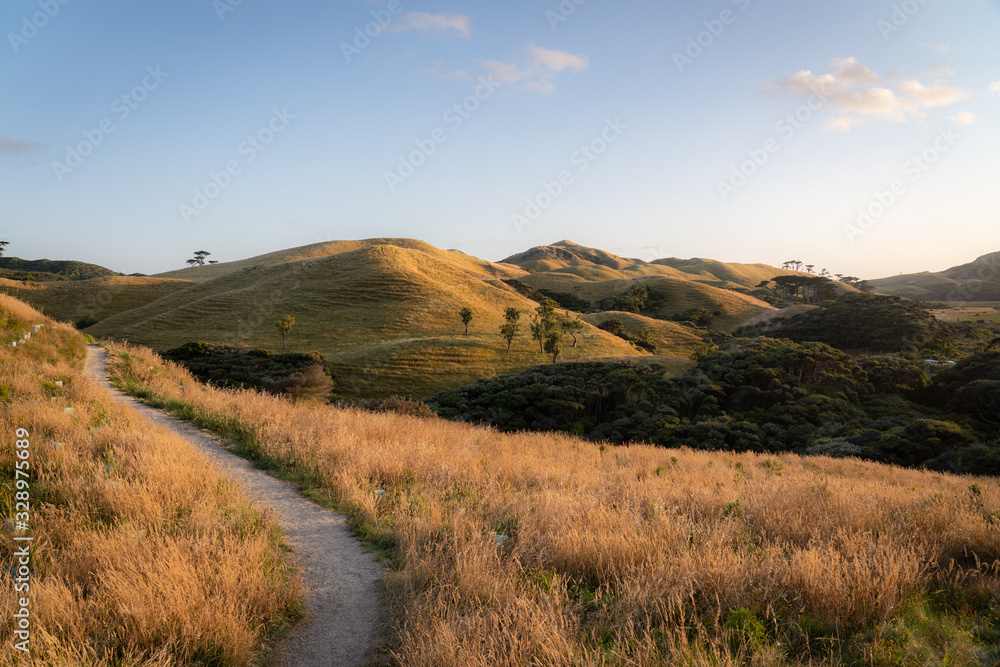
x=340, y=576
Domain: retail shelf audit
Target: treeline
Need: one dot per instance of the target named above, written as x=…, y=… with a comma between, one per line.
x=761, y=394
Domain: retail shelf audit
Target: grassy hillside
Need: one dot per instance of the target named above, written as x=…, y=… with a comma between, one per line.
x=671, y=338
x=17, y=268
x=976, y=281
x=143, y=554
x=668, y=296
x=98, y=298
x=385, y=315
x=598, y=265
x=543, y=549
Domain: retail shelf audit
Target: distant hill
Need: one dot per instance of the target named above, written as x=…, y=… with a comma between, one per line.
x=383, y=311
x=975, y=281
x=597, y=265
x=15, y=268
x=668, y=296
x=95, y=299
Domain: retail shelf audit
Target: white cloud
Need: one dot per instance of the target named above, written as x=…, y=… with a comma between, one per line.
x=11, y=147
x=437, y=23
x=995, y=87
x=536, y=69
x=858, y=95
x=963, y=118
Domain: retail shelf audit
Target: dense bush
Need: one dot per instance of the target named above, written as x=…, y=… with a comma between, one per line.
x=756, y=394
x=252, y=368
x=871, y=322
x=567, y=300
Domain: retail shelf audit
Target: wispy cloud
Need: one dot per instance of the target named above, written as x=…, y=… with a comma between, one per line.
x=435, y=23
x=536, y=68
x=963, y=118
x=859, y=95
x=436, y=71
x=11, y=147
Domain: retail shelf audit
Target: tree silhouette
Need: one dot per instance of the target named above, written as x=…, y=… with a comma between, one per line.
x=199, y=257
x=466, y=315
x=284, y=326
x=3, y=247
x=511, y=327
x=553, y=342
x=192, y=262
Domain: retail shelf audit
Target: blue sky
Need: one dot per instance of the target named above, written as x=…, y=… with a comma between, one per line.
x=789, y=132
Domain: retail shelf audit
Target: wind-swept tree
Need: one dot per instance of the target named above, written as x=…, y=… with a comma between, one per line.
x=511, y=327
x=192, y=262
x=466, y=315
x=538, y=333
x=553, y=342
x=284, y=326
x=572, y=326
x=200, y=255
x=3, y=247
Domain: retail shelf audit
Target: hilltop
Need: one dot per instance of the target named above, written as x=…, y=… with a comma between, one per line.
x=976, y=281
x=566, y=257
x=15, y=268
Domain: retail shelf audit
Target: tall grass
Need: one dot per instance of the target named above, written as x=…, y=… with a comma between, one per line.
x=547, y=550
x=143, y=553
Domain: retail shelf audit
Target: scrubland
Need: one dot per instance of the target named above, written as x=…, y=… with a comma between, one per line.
x=142, y=552
x=542, y=549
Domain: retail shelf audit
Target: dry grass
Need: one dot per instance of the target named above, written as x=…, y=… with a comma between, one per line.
x=532, y=549
x=143, y=553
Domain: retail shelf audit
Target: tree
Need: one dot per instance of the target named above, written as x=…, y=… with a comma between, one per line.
x=512, y=326
x=545, y=323
x=572, y=326
x=810, y=268
x=3, y=247
x=199, y=257
x=284, y=326
x=213, y=261
x=466, y=315
x=538, y=333
x=192, y=262
x=553, y=342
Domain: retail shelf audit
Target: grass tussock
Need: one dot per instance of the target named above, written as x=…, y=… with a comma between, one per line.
x=546, y=550
x=143, y=554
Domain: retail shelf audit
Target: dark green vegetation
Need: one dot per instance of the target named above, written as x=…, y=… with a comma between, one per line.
x=297, y=374
x=15, y=268
x=761, y=395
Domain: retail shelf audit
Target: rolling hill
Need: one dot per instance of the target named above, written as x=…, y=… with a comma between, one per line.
x=15, y=268
x=97, y=298
x=976, y=281
x=668, y=296
x=384, y=312
x=592, y=264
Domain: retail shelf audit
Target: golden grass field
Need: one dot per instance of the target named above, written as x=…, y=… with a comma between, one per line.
x=143, y=553
x=542, y=549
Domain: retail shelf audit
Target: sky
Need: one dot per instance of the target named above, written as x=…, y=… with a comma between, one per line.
x=859, y=136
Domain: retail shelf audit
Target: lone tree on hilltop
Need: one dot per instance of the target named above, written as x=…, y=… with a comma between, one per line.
x=3, y=246
x=199, y=257
x=284, y=326
x=192, y=262
x=466, y=315
x=511, y=327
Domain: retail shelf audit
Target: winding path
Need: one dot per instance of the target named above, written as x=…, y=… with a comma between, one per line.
x=340, y=576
